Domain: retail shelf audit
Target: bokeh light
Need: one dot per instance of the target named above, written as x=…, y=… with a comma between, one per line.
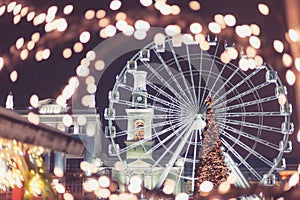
x=293, y=35
x=110, y=30
x=287, y=60
x=263, y=9
x=297, y=64
x=195, y=28
x=278, y=46
x=194, y=5
x=14, y=76
x=206, y=186
x=230, y=20
x=89, y=14
x=68, y=196
x=214, y=27
x=175, y=10
x=34, y=100
x=104, y=181
x=84, y=37
x=68, y=9
x=146, y=3
x=67, y=53
x=115, y=4
x=182, y=196
x=67, y=120
x=255, y=42
x=290, y=77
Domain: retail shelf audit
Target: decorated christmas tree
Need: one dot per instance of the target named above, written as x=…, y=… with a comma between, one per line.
x=211, y=166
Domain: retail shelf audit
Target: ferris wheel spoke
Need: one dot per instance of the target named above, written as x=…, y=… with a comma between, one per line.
x=226, y=82
x=250, y=125
x=185, y=157
x=200, y=76
x=244, y=93
x=244, y=80
x=194, y=159
x=191, y=74
x=209, y=73
x=184, y=136
x=177, y=95
x=247, y=148
x=243, y=104
x=169, y=116
x=247, y=114
x=181, y=126
x=126, y=87
x=161, y=91
x=249, y=136
x=240, y=158
x=140, y=142
x=219, y=78
x=164, y=102
x=163, y=109
x=182, y=76
x=166, y=67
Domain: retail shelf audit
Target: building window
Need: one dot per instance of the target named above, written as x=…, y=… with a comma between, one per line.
x=139, y=127
x=74, y=186
x=73, y=165
x=71, y=129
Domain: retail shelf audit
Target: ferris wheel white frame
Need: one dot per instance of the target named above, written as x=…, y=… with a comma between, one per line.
x=181, y=97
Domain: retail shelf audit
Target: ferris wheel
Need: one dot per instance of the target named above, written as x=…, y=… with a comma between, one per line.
x=158, y=103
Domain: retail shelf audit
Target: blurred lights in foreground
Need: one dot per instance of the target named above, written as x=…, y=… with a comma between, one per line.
x=243, y=31
x=195, y=28
x=115, y=4
x=58, y=172
x=34, y=101
x=293, y=35
x=60, y=188
x=297, y=64
x=67, y=120
x=182, y=196
x=146, y=3
x=14, y=76
x=33, y=118
x=263, y=9
x=224, y=187
x=278, y=46
x=68, y=9
x=104, y=181
x=194, y=5
x=290, y=77
x=206, y=186
x=282, y=99
x=229, y=20
x=68, y=196
x=254, y=42
x=84, y=37
x=1, y=62
x=255, y=29
x=214, y=27
x=287, y=60
x=169, y=186
x=298, y=138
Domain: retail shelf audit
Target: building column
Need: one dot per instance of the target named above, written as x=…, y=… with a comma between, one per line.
x=59, y=160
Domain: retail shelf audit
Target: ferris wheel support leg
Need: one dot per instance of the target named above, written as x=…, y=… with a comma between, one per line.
x=173, y=159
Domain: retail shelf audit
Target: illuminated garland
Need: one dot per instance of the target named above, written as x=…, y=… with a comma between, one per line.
x=211, y=167
x=23, y=167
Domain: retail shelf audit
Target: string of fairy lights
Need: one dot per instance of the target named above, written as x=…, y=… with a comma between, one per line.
x=57, y=25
